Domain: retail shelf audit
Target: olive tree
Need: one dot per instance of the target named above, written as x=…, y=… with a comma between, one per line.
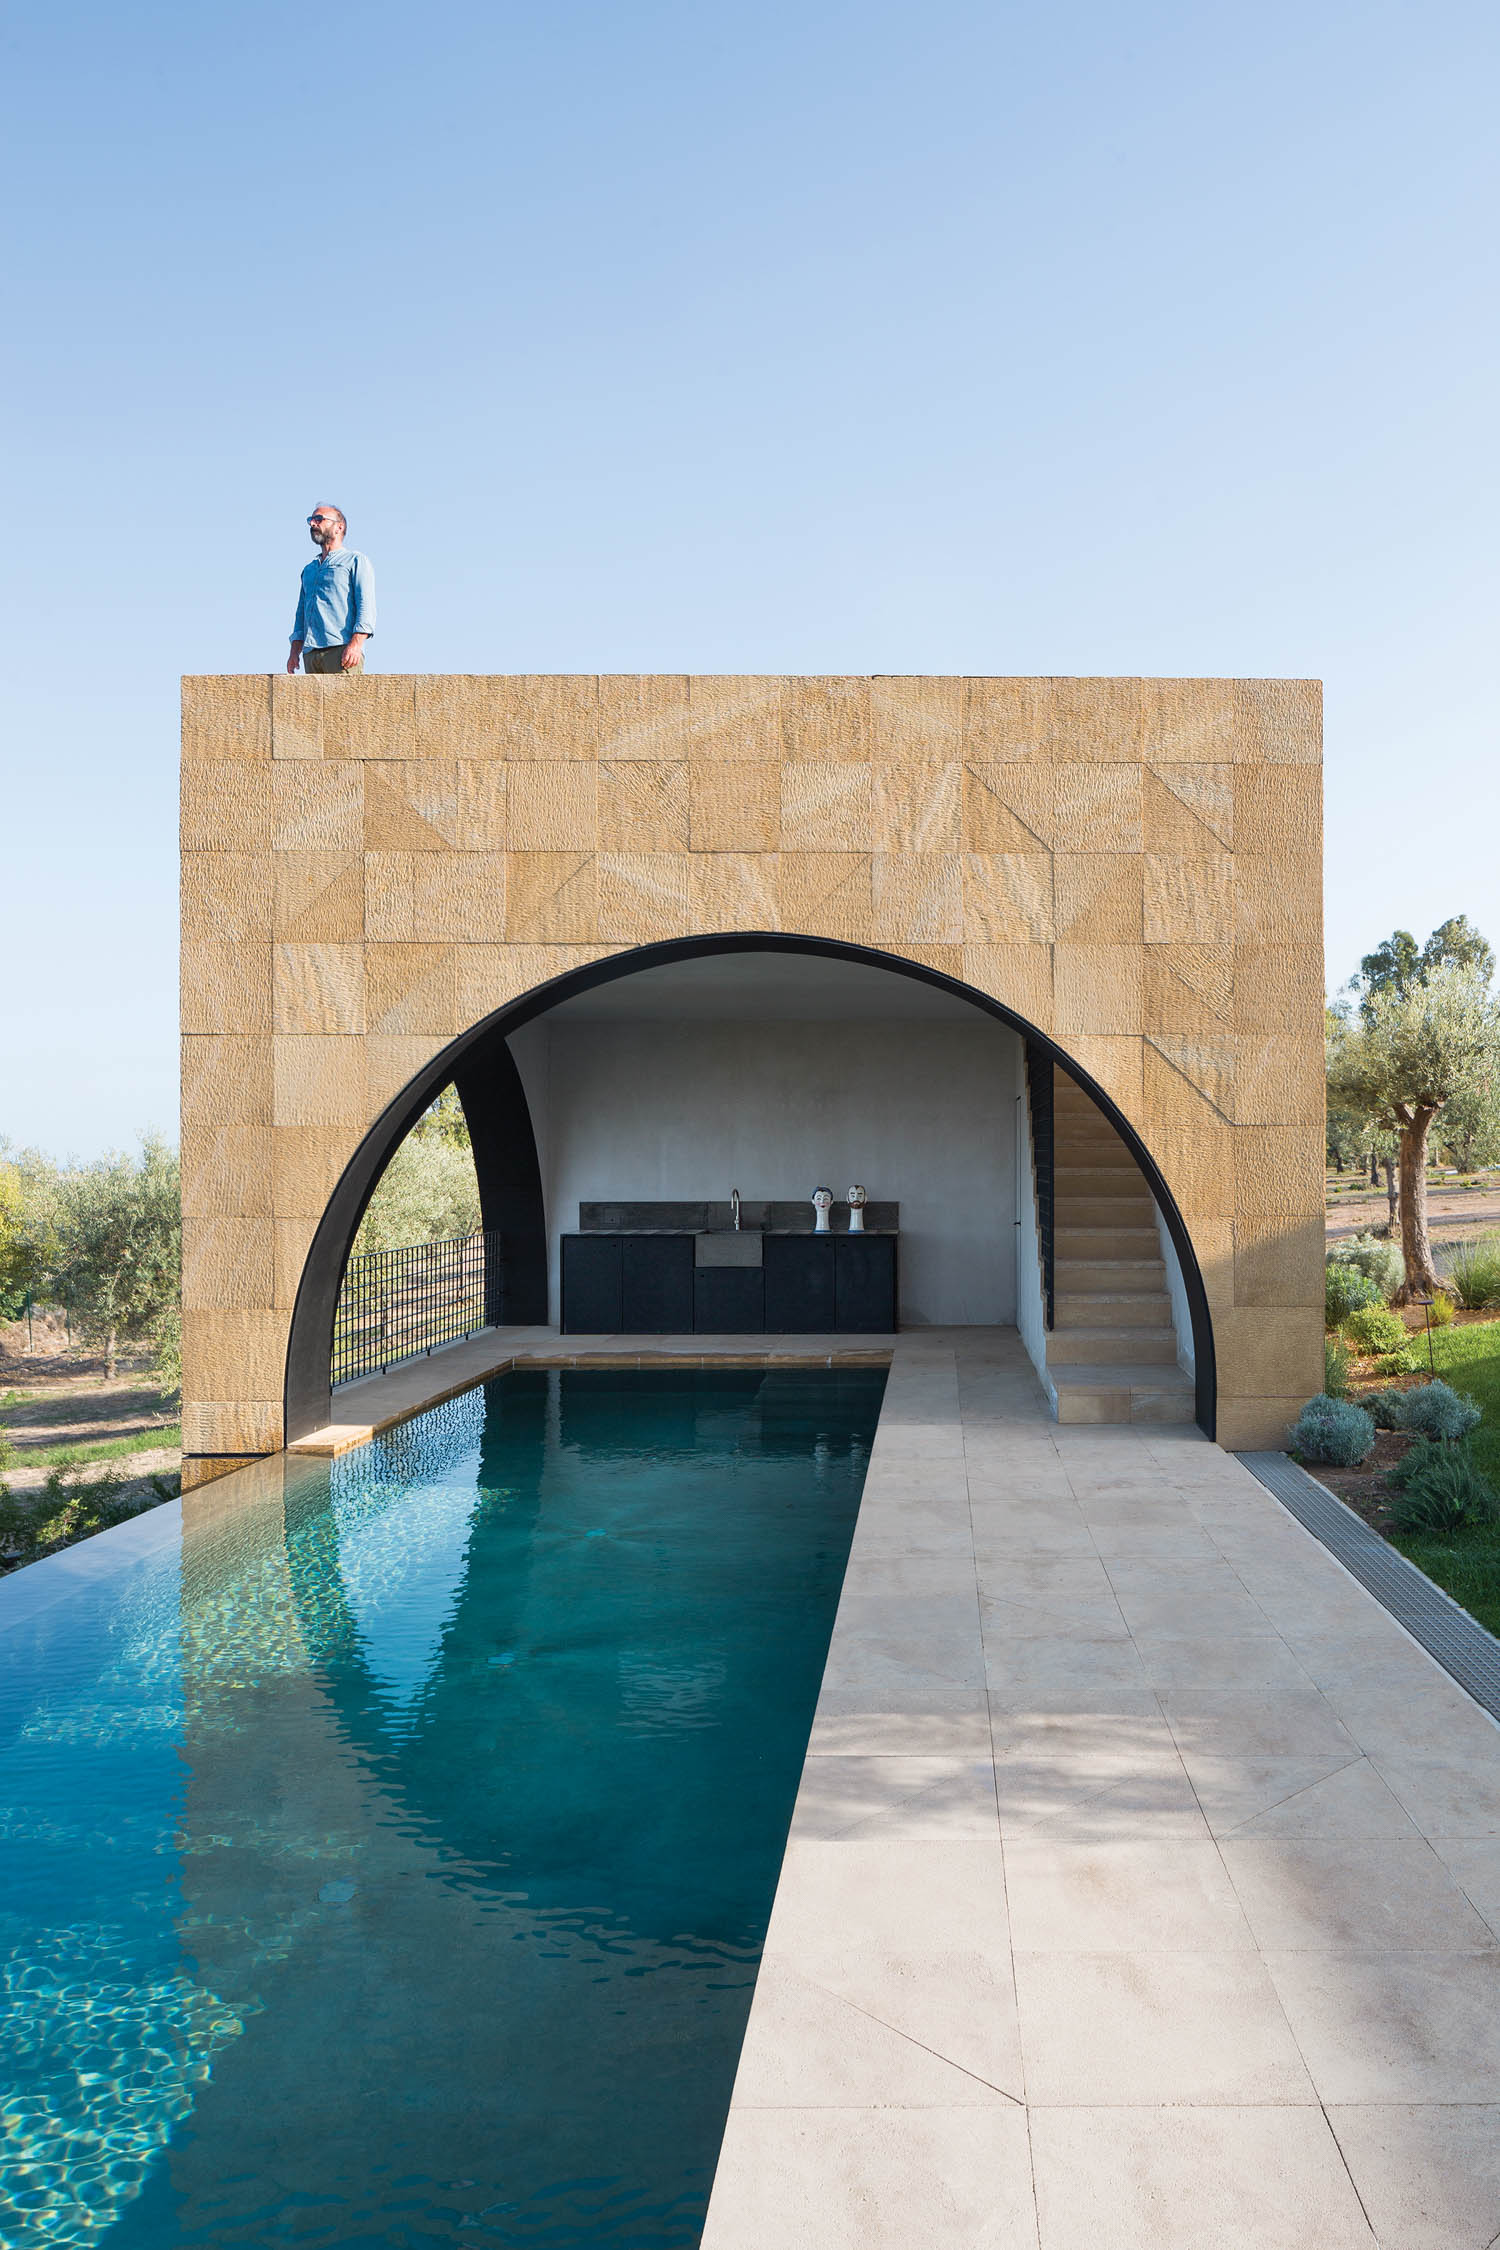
x=1420, y=1043
x=117, y=1262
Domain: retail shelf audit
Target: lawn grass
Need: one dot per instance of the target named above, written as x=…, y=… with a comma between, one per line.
x=1466, y=1564
x=73, y=1453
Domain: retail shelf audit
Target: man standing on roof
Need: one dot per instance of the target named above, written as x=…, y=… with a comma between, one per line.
x=336, y=607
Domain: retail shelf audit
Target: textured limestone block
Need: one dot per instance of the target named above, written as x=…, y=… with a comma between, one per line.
x=1189, y=1078
x=296, y=715
x=390, y=895
x=1009, y=808
x=1096, y=897
x=393, y=1060
x=240, y=1427
x=1188, y=808
x=317, y=806
x=241, y=1352
x=293, y=1241
x=226, y=718
x=1213, y=1247
x=1278, y=722
x=917, y=898
x=825, y=805
x=460, y=717
x=1277, y=985
x=643, y=805
x=734, y=890
x=482, y=820
x=552, y=805
x=226, y=1171
x=734, y=805
x=318, y=897
x=226, y=895
x=307, y=1162
x=916, y=807
x=1278, y=899
x=552, y=898
x=1003, y=721
x=914, y=718
x=1098, y=808
x=1270, y=1350
x=1278, y=1170
x=1196, y=1161
x=1279, y=1261
x=410, y=805
x=319, y=1079
x=411, y=988
x=369, y=715
x=642, y=717
x=1190, y=988
x=1189, y=721
x=226, y=806
x=823, y=718
x=643, y=896
x=948, y=960
x=226, y=985
x=553, y=716
x=490, y=976
x=735, y=717
x=826, y=894
x=461, y=896
x=1007, y=898
x=1096, y=988
x=1111, y=1060
x=1018, y=976
x=226, y=1079
x=1189, y=901
x=1278, y=810
x=1092, y=721
x=1279, y=1076
x=226, y=1262
x=318, y=988
x=1257, y=1425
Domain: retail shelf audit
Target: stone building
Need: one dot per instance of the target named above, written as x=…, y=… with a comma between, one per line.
x=1040, y=958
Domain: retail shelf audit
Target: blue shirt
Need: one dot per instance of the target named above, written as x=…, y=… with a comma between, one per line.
x=337, y=599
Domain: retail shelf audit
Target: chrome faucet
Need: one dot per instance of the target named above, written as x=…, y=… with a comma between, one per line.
x=734, y=1208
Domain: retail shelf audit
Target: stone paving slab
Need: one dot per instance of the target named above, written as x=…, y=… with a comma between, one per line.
x=1143, y=1889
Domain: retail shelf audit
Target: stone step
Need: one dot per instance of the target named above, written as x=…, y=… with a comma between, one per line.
x=1102, y=1211
x=1105, y=1272
x=1111, y=1308
x=1070, y=1240
x=1123, y=1394
x=1102, y=1178
x=1100, y=1346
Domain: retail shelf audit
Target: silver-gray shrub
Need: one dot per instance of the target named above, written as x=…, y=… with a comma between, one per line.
x=1380, y=1262
x=1332, y=1430
x=1433, y=1410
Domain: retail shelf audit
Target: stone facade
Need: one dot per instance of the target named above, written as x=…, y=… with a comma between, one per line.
x=370, y=865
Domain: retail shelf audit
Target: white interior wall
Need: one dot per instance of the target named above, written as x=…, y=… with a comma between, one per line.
x=1031, y=1295
x=921, y=1113
x=1182, y=1314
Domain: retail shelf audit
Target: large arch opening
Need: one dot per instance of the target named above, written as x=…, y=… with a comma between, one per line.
x=752, y=972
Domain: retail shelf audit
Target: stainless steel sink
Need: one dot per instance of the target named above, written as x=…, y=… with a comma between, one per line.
x=729, y=1248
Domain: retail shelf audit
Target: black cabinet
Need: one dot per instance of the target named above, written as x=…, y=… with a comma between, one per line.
x=592, y=1274
x=729, y=1301
x=864, y=1269
x=799, y=1284
x=657, y=1285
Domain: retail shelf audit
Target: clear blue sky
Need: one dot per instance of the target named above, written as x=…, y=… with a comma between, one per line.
x=1080, y=339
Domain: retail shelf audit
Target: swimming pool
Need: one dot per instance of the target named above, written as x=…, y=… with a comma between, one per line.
x=387, y=1861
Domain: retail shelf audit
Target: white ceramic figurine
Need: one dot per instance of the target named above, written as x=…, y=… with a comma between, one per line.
x=857, y=1200
x=822, y=1203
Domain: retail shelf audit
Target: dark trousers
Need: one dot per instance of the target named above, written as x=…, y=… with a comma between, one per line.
x=329, y=659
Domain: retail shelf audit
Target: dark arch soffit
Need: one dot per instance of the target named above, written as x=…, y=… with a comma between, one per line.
x=309, y=1345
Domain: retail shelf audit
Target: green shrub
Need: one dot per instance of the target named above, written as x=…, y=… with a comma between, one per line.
x=1380, y=1262
x=1330, y=1429
x=1384, y=1408
x=1435, y=1410
x=1335, y=1367
x=1375, y=1328
x=1441, y=1312
x=1441, y=1488
x=1398, y=1363
x=1475, y=1274
x=1346, y=1291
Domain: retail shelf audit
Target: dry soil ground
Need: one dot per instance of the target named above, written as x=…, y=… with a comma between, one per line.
x=63, y=1401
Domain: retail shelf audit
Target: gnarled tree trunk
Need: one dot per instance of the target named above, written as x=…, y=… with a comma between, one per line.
x=1392, y=1197
x=1421, y=1275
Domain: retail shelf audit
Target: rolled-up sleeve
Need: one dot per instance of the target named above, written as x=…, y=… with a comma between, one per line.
x=362, y=605
x=299, y=622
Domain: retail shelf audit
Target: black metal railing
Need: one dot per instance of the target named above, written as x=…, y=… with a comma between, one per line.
x=395, y=1304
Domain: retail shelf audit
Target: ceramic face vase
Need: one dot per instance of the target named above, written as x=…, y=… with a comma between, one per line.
x=822, y=1204
x=857, y=1200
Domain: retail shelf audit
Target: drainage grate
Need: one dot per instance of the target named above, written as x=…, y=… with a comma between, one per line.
x=1448, y=1633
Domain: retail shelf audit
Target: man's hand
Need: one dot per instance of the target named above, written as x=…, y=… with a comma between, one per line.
x=353, y=651
x=295, y=658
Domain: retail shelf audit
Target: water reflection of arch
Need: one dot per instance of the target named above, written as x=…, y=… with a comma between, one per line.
x=480, y=1065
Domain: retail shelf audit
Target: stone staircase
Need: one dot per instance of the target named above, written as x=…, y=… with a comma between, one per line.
x=1112, y=1352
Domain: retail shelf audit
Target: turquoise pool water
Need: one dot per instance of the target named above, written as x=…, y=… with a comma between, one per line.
x=387, y=1862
